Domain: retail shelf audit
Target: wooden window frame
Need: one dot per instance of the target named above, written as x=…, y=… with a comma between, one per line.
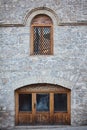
x=32, y=38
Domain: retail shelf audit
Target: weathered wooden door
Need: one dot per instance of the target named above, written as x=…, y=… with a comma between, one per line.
x=33, y=108
x=42, y=109
x=42, y=104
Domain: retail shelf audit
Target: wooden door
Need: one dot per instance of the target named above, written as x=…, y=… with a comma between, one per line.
x=42, y=112
x=24, y=111
x=42, y=106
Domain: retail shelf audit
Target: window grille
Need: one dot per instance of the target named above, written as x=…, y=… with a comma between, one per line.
x=42, y=35
x=42, y=41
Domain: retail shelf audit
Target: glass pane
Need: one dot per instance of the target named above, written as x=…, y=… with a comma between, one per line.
x=60, y=102
x=42, y=102
x=25, y=102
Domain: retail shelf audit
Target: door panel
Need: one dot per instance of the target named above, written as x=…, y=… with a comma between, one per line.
x=42, y=108
x=25, y=109
x=61, y=118
x=43, y=118
x=25, y=119
x=61, y=114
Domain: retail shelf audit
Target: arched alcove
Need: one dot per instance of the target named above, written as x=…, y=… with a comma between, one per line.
x=42, y=104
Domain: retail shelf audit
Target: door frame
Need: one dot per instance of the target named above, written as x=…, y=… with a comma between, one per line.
x=33, y=91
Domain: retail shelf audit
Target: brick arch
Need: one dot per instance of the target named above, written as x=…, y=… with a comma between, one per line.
x=40, y=10
x=42, y=19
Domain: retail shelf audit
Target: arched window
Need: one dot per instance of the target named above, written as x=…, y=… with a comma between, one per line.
x=41, y=35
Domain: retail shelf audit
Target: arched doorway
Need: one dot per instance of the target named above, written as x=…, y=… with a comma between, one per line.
x=42, y=104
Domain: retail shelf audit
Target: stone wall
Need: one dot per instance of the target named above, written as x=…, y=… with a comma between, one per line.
x=66, y=67
x=14, y=11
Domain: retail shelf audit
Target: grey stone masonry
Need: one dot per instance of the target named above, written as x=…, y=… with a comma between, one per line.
x=66, y=67
x=14, y=11
x=49, y=128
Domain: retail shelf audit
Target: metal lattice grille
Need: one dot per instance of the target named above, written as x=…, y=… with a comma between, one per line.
x=42, y=41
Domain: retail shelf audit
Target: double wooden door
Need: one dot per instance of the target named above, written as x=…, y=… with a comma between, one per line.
x=41, y=106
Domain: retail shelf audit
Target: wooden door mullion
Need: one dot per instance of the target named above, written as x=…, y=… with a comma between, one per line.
x=33, y=107
x=17, y=107
x=69, y=106
x=51, y=107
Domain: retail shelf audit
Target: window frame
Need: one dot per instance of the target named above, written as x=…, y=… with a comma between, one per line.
x=32, y=38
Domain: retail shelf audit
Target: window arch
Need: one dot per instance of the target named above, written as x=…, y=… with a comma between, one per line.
x=41, y=35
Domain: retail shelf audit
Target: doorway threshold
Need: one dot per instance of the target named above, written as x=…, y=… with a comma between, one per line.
x=42, y=127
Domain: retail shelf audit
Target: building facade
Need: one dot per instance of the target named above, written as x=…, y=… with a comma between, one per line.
x=43, y=62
